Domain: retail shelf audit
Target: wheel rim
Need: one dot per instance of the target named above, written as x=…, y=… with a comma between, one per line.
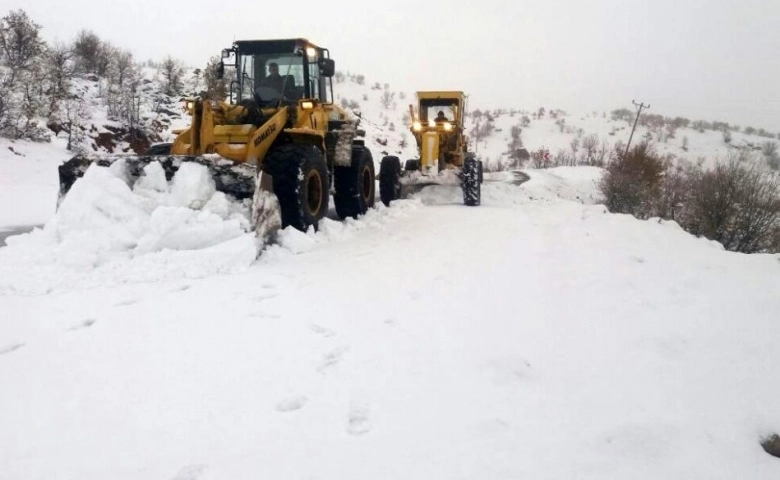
x=367, y=183
x=314, y=192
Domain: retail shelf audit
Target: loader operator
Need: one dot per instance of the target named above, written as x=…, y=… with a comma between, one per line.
x=273, y=80
x=440, y=117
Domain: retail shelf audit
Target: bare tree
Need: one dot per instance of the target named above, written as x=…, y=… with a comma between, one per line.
x=59, y=58
x=737, y=204
x=20, y=44
x=590, y=145
x=387, y=99
x=769, y=150
x=123, y=68
x=75, y=112
x=22, y=81
x=575, y=145
x=86, y=49
x=216, y=88
x=173, y=74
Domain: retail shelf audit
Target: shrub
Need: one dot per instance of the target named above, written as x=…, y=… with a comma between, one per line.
x=736, y=203
x=632, y=181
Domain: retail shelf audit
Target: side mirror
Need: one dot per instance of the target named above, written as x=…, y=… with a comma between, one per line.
x=221, y=70
x=327, y=67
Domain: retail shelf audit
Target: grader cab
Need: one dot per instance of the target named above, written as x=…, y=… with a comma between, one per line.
x=444, y=159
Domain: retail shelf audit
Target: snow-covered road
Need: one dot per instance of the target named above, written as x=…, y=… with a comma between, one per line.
x=535, y=336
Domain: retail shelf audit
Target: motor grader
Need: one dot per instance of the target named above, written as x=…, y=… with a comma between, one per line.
x=278, y=131
x=444, y=159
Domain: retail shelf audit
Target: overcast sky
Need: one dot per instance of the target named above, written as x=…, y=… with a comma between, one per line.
x=708, y=59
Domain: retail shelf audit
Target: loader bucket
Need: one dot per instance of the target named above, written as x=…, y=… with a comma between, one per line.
x=231, y=178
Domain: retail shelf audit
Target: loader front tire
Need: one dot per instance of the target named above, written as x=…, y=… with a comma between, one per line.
x=300, y=182
x=471, y=178
x=389, y=179
x=355, y=185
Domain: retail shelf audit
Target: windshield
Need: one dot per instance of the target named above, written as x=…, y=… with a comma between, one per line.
x=271, y=75
x=441, y=110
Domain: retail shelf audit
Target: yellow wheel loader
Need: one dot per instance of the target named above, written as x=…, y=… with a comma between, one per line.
x=279, y=131
x=437, y=127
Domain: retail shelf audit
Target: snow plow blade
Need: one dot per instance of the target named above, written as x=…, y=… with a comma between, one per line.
x=231, y=178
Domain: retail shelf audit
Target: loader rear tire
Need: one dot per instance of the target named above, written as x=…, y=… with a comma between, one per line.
x=389, y=179
x=471, y=178
x=355, y=185
x=300, y=182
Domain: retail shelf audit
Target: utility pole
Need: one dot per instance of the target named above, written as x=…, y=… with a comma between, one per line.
x=639, y=107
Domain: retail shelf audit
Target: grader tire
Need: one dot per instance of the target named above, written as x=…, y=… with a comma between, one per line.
x=471, y=176
x=300, y=182
x=355, y=185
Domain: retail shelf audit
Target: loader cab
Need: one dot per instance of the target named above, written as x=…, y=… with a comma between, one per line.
x=279, y=71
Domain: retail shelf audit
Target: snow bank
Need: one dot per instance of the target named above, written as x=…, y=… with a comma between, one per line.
x=107, y=232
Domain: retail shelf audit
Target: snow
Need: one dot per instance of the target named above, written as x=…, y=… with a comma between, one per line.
x=106, y=232
x=534, y=336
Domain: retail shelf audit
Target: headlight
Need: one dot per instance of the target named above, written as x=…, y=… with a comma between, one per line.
x=431, y=123
x=307, y=105
x=417, y=126
x=311, y=52
x=189, y=106
x=447, y=126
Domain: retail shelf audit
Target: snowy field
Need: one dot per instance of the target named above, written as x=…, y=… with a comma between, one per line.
x=533, y=337
x=536, y=336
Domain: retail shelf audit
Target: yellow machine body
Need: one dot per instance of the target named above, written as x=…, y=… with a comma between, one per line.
x=441, y=143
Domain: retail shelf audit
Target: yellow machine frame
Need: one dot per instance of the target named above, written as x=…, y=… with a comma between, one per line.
x=213, y=129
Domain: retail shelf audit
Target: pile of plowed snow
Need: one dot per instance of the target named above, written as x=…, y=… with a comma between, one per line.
x=119, y=233
x=109, y=230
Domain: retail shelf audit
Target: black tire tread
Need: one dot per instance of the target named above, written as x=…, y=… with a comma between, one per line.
x=348, y=183
x=389, y=173
x=286, y=163
x=471, y=176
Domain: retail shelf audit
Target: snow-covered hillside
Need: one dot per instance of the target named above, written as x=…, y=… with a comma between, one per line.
x=534, y=336
x=562, y=133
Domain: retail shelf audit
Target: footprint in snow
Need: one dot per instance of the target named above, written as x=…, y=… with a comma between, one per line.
x=85, y=324
x=291, y=404
x=264, y=297
x=190, y=472
x=10, y=348
x=332, y=358
x=509, y=370
x=320, y=330
x=358, y=421
x=182, y=288
x=389, y=321
x=125, y=303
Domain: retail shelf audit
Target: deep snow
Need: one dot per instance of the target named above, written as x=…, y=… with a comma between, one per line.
x=535, y=336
